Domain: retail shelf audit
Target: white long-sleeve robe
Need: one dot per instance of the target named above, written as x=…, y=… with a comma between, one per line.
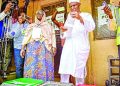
x=76, y=48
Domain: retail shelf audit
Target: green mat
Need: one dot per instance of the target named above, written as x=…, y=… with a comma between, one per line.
x=23, y=82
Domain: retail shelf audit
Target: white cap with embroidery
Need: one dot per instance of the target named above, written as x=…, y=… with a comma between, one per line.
x=74, y=1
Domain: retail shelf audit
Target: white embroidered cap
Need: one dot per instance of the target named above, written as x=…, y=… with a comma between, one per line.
x=74, y=1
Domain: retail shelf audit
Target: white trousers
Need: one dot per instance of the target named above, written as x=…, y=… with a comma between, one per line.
x=65, y=79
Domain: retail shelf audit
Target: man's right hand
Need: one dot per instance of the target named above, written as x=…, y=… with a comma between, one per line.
x=108, y=11
x=8, y=7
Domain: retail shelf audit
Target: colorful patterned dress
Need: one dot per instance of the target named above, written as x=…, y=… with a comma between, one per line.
x=38, y=62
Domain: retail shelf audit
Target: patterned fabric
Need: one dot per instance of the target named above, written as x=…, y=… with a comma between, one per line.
x=39, y=63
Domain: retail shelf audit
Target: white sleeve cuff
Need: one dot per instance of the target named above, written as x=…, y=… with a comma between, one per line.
x=2, y=15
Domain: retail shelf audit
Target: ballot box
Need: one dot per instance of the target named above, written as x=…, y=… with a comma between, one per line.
x=23, y=82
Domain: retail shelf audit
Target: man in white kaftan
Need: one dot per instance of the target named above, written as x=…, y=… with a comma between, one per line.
x=76, y=48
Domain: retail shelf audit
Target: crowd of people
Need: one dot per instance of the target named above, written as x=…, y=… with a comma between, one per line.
x=35, y=43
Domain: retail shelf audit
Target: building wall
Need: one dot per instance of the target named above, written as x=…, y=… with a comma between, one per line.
x=33, y=6
x=99, y=56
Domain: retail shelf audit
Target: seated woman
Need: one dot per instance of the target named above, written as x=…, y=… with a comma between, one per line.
x=40, y=43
